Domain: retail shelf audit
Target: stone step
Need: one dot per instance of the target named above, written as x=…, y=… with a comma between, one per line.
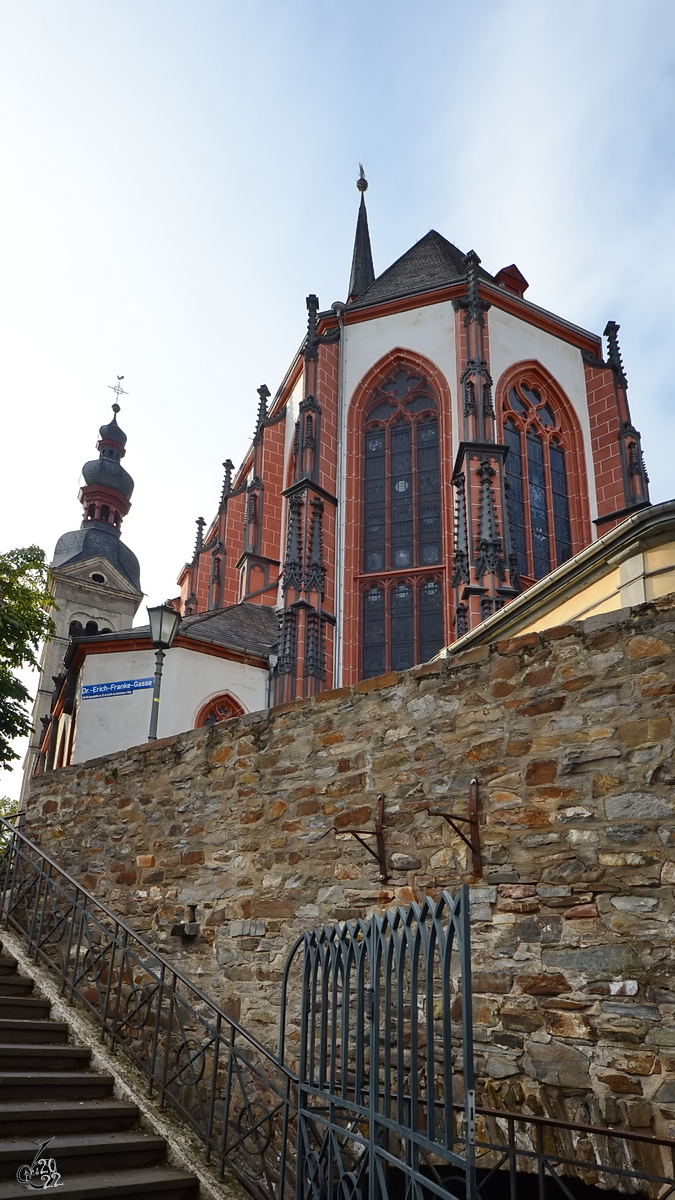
x=28, y=1057
x=40, y=1119
x=83, y=1153
x=54, y=1085
x=162, y=1183
x=18, y=1007
x=49, y=1093
x=15, y=985
x=38, y=1033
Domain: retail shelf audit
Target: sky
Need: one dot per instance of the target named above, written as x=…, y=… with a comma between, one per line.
x=177, y=175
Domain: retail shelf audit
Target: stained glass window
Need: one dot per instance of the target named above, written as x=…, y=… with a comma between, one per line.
x=514, y=496
x=402, y=526
x=221, y=708
x=536, y=483
x=374, y=661
x=401, y=498
x=429, y=492
x=561, y=508
x=541, y=559
x=431, y=619
x=374, y=524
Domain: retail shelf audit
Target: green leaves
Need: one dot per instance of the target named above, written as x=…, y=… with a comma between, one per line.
x=25, y=601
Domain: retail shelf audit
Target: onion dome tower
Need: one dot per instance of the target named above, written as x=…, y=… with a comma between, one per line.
x=95, y=577
x=106, y=499
x=106, y=495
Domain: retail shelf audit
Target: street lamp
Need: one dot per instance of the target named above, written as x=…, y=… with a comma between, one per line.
x=164, y=622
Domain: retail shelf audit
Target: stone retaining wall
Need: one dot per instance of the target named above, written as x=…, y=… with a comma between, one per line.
x=570, y=737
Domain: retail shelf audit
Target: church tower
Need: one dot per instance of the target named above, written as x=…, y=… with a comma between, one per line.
x=95, y=579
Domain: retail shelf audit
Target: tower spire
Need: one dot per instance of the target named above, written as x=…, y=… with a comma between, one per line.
x=106, y=494
x=363, y=273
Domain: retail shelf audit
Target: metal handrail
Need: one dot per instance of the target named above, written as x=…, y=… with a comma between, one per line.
x=543, y=1159
x=592, y=1130
x=236, y=1095
x=122, y=924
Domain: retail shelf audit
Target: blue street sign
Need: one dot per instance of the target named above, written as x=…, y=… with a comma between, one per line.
x=123, y=687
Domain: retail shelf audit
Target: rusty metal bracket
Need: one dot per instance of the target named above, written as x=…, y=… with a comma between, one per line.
x=473, y=840
x=379, y=854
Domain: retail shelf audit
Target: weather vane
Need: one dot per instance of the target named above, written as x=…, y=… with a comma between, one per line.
x=118, y=390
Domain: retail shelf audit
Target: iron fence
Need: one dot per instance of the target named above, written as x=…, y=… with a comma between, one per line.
x=365, y=1113
x=374, y=1023
x=592, y=1155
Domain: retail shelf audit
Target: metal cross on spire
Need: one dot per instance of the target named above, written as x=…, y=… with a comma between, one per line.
x=118, y=390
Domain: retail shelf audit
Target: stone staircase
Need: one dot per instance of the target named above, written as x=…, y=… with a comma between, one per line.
x=48, y=1089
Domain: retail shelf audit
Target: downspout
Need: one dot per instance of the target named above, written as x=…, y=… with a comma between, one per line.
x=272, y=660
x=338, y=308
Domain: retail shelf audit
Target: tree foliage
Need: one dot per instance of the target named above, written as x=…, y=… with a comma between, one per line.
x=8, y=810
x=25, y=601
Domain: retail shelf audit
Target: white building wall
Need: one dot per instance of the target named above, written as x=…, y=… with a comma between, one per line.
x=513, y=340
x=106, y=724
x=429, y=331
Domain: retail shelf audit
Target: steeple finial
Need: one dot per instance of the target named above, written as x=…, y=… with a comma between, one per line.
x=363, y=273
x=119, y=390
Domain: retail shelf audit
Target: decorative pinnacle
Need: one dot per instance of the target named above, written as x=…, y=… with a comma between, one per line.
x=614, y=351
x=227, y=481
x=119, y=391
x=264, y=394
x=312, y=310
x=362, y=182
x=200, y=523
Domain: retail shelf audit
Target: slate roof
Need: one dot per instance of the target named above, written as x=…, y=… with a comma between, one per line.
x=433, y=262
x=245, y=626
x=97, y=537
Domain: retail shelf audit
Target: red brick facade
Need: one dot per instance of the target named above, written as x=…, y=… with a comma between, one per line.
x=276, y=537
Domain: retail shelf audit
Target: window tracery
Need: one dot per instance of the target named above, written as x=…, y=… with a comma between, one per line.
x=221, y=708
x=402, y=615
x=537, y=485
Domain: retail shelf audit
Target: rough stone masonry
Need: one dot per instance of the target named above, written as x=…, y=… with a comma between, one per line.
x=570, y=737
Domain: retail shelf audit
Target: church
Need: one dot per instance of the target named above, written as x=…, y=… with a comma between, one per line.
x=438, y=450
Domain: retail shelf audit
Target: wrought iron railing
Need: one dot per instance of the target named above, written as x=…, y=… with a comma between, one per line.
x=588, y=1154
x=234, y=1094
x=242, y=1101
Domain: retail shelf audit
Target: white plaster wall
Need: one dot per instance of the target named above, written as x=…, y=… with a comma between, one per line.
x=513, y=340
x=109, y=723
x=429, y=331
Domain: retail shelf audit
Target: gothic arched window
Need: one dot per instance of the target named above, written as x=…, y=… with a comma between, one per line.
x=537, y=488
x=402, y=609
x=221, y=708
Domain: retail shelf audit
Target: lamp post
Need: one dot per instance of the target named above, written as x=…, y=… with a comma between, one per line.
x=164, y=622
